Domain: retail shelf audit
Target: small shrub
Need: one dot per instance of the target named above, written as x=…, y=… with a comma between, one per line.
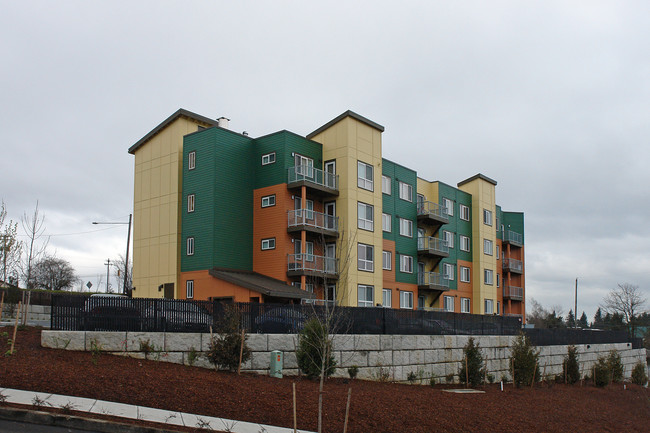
x=147, y=348
x=224, y=349
x=505, y=378
x=490, y=378
x=639, y=375
x=383, y=375
x=475, y=370
x=602, y=372
x=571, y=370
x=526, y=361
x=192, y=356
x=615, y=366
x=450, y=378
x=411, y=377
x=95, y=350
x=314, y=350
x=67, y=408
x=433, y=381
x=353, y=371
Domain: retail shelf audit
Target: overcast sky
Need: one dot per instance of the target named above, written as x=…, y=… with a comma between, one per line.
x=551, y=99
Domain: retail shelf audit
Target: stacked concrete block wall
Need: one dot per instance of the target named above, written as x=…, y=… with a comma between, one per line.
x=34, y=312
x=391, y=357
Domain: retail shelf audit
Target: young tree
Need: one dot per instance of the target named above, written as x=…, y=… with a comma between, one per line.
x=53, y=273
x=627, y=301
x=582, y=322
x=570, y=320
x=34, y=227
x=598, y=322
x=10, y=247
x=475, y=371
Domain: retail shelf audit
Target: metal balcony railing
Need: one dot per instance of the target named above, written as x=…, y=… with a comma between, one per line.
x=513, y=292
x=313, y=176
x=305, y=218
x=513, y=238
x=433, y=280
x=513, y=265
x=433, y=246
x=298, y=264
x=432, y=211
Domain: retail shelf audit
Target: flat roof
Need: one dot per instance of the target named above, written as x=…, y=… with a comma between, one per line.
x=260, y=283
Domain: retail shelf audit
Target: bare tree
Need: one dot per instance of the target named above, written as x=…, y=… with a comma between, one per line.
x=10, y=247
x=34, y=227
x=627, y=301
x=119, y=265
x=53, y=273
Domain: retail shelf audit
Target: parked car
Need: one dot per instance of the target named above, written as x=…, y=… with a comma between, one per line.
x=280, y=320
x=177, y=316
x=110, y=312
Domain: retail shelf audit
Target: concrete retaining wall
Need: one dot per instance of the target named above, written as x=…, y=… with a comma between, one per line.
x=390, y=357
x=34, y=312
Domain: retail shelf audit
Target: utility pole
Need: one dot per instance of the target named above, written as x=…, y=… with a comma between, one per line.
x=575, y=307
x=108, y=269
x=125, y=289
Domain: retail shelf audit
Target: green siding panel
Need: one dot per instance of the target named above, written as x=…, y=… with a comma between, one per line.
x=457, y=227
x=515, y=222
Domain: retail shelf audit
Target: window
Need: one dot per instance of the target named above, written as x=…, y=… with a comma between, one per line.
x=487, y=217
x=366, y=296
x=420, y=302
x=190, y=203
x=386, y=185
x=406, y=264
x=387, y=260
x=464, y=243
x=487, y=247
x=309, y=251
x=498, y=253
x=309, y=209
x=268, y=200
x=488, y=275
x=191, y=160
x=449, y=303
x=406, y=227
x=497, y=223
x=189, y=289
x=406, y=300
x=464, y=274
x=405, y=191
x=464, y=212
x=448, y=271
x=488, y=306
x=449, y=206
x=498, y=280
x=388, y=298
x=464, y=305
x=190, y=246
x=365, y=257
x=365, y=176
x=269, y=158
x=309, y=287
x=365, y=214
x=268, y=244
x=449, y=238
x=386, y=223
x=498, y=307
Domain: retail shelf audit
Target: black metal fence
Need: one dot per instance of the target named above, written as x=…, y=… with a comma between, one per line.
x=117, y=313
x=552, y=337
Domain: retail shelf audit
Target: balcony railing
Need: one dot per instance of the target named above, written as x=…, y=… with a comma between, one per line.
x=433, y=246
x=513, y=292
x=432, y=212
x=313, y=177
x=513, y=265
x=433, y=281
x=317, y=222
x=513, y=238
x=310, y=264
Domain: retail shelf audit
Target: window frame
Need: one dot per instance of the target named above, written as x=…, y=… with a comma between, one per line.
x=191, y=160
x=488, y=277
x=386, y=188
x=363, y=182
x=386, y=222
x=405, y=300
x=387, y=255
x=487, y=217
x=269, y=198
x=363, y=264
x=449, y=209
x=485, y=304
x=446, y=300
x=404, y=260
x=465, y=274
x=407, y=189
x=270, y=158
x=189, y=246
x=388, y=292
x=191, y=201
x=448, y=270
x=488, y=247
x=463, y=212
x=467, y=241
x=270, y=244
x=364, y=221
x=367, y=289
x=189, y=289
x=462, y=305
x=449, y=238
x=403, y=224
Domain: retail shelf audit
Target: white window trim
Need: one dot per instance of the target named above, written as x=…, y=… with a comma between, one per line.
x=268, y=200
x=190, y=203
x=449, y=237
x=363, y=182
x=464, y=274
x=189, y=289
x=365, y=302
x=191, y=160
x=388, y=292
x=386, y=222
x=405, y=191
x=386, y=185
x=190, y=246
x=487, y=217
x=387, y=260
x=268, y=244
x=405, y=262
x=448, y=204
x=488, y=247
x=464, y=212
x=448, y=271
x=406, y=227
x=406, y=300
x=491, y=303
x=464, y=243
x=268, y=158
x=363, y=264
x=463, y=302
x=449, y=300
x=488, y=276
x=364, y=223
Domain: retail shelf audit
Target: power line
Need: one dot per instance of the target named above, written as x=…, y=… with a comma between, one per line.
x=73, y=234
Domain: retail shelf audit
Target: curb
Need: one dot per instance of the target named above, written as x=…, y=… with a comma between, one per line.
x=75, y=422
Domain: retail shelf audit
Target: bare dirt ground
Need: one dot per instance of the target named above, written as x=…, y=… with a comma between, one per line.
x=375, y=407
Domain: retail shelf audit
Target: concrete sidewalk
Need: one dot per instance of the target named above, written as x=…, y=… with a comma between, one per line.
x=38, y=399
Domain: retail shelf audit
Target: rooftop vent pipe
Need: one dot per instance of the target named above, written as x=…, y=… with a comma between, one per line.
x=222, y=122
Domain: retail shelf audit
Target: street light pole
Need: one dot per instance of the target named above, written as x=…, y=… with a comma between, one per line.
x=128, y=241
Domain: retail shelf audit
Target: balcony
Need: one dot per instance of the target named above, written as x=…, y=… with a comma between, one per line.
x=318, y=181
x=433, y=281
x=313, y=222
x=431, y=246
x=513, y=292
x=312, y=265
x=432, y=213
x=513, y=265
x=513, y=238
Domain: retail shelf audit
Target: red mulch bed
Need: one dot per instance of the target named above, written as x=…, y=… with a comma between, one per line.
x=375, y=407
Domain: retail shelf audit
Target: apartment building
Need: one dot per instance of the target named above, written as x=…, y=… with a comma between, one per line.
x=321, y=218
